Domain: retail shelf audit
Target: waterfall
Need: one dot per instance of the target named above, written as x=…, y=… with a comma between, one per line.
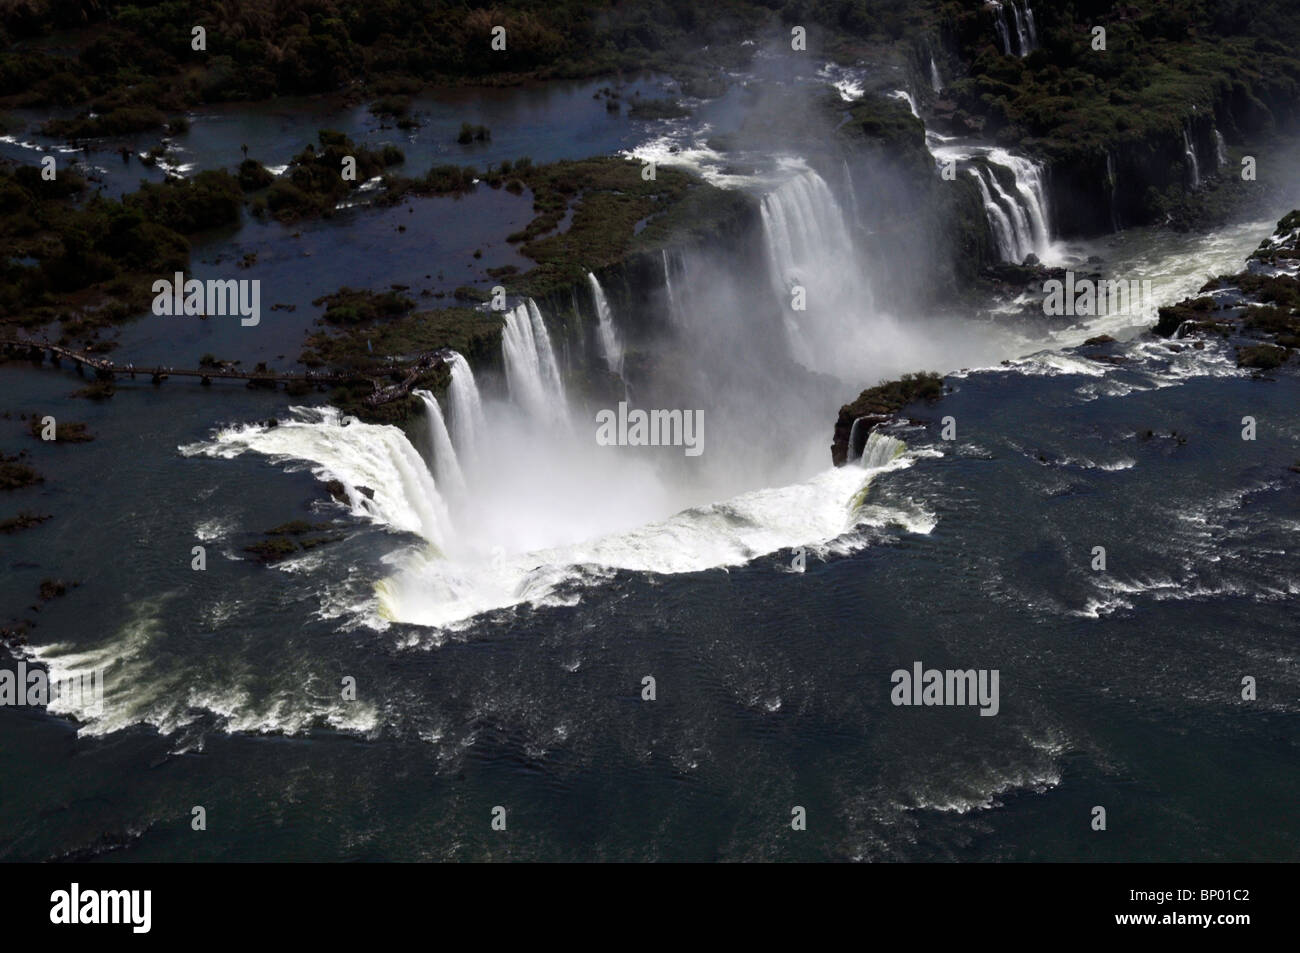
x=1112, y=181
x=400, y=491
x=446, y=467
x=1003, y=234
x=1221, y=149
x=853, y=194
x=809, y=246
x=1018, y=220
x=1022, y=38
x=674, y=315
x=879, y=450
x=1000, y=24
x=468, y=426
x=1026, y=32
x=936, y=81
x=804, y=228
x=1029, y=183
x=1020, y=227
x=531, y=371
x=609, y=340
x=1026, y=36
x=1189, y=150
x=906, y=97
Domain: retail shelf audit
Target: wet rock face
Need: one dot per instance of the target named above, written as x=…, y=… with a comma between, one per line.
x=877, y=405
x=847, y=443
x=1259, y=307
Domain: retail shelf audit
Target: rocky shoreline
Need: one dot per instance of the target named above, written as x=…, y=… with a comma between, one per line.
x=1259, y=307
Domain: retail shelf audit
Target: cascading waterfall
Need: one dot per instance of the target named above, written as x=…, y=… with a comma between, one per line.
x=1000, y=25
x=1021, y=229
x=1026, y=32
x=806, y=238
x=879, y=450
x=907, y=98
x=1189, y=150
x=1021, y=37
x=532, y=373
x=878, y=453
x=468, y=426
x=1014, y=195
x=1003, y=233
x=936, y=81
x=402, y=492
x=1221, y=149
x=446, y=466
x=1020, y=218
x=1029, y=185
x=609, y=339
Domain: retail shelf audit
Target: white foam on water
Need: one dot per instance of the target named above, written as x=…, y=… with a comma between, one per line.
x=828, y=512
x=375, y=456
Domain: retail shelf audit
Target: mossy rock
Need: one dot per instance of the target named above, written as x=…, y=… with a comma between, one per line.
x=15, y=475
x=24, y=520
x=1265, y=357
x=70, y=432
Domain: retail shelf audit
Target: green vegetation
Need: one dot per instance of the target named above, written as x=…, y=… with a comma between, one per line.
x=1160, y=60
x=376, y=335
x=1265, y=357
x=439, y=180
x=64, y=432
x=614, y=211
x=655, y=109
x=885, y=126
x=609, y=211
x=253, y=175
x=96, y=390
x=121, y=121
x=91, y=263
x=349, y=307
x=315, y=184
x=368, y=336
x=469, y=133
x=113, y=55
x=395, y=106
x=208, y=200
x=889, y=397
x=879, y=404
